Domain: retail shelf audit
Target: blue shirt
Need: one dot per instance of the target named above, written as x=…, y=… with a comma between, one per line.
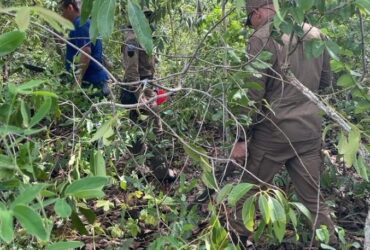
x=80, y=37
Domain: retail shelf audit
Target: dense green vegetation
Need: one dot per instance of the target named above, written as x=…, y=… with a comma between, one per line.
x=67, y=178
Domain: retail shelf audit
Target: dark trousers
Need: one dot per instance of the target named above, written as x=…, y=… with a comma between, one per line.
x=265, y=160
x=157, y=163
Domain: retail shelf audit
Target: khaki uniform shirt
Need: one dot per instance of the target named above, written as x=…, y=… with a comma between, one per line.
x=291, y=112
x=136, y=62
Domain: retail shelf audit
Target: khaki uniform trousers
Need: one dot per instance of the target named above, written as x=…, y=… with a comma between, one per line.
x=266, y=159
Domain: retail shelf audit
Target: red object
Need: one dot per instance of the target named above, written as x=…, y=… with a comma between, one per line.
x=163, y=99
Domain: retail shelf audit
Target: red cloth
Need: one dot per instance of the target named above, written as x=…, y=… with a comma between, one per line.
x=163, y=99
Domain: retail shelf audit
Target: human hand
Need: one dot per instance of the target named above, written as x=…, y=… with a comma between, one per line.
x=239, y=151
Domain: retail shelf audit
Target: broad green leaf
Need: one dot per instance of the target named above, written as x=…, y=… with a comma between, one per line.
x=248, y=213
x=6, y=226
x=22, y=18
x=303, y=210
x=333, y=49
x=86, y=10
x=10, y=41
x=58, y=22
x=77, y=224
x=293, y=217
x=223, y=193
x=346, y=81
x=264, y=208
x=198, y=155
x=238, y=192
x=298, y=15
x=322, y=234
x=97, y=164
x=278, y=218
x=278, y=212
x=86, y=184
x=24, y=113
x=314, y=48
x=65, y=245
x=94, y=32
x=141, y=26
x=305, y=4
x=209, y=180
x=105, y=128
x=31, y=221
x=7, y=162
x=62, y=208
x=28, y=194
x=106, y=18
x=88, y=213
x=88, y=194
x=42, y=111
x=361, y=168
x=44, y=93
x=364, y=4
x=349, y=147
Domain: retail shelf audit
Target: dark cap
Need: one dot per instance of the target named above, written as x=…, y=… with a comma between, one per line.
x=255, y=4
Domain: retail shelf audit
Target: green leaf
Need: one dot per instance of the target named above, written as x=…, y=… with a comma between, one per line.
x=65, y=245
x=29, y=85
x=293, y=217
x=264, y=208
x=28, y=194
x=314, y=48
x=89, y=214
x=278, y=218
x=223, y=193
x=7, y=162
x=62, y=208
x=198, y=155
x=44, y=93
x=94, y=32
x=303, y=210
x=31, y=221
x=86, y=10
x=141, y=26
x=248, y=213
x=86, y=184
x=41, y=112
x=88, y=194
x=10, y=41
x=105, y=128
x=298, y=15
x=305, y=4
x=238, y=192
x=25, y=115
x=98, y=164
x=209, y=180
x=77, y=224
x=333, y=49
x=365, y=4
x=22, y=18
x=361, y=168
x=106, y=18
x=346, y=81
x=6, y=226
x=348, y=148
x=58, y=22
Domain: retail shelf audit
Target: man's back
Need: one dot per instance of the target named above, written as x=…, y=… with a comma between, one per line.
x=80, y=37
x=293, y=114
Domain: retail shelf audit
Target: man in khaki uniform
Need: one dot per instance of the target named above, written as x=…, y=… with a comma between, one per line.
x=291, y=117
x=139, y=66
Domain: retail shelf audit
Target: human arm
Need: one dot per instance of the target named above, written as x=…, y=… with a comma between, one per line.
x=326, y=74
x=130, y=53
x=84, y=63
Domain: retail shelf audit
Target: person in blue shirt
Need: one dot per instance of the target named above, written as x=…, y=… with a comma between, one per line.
x=89, y=72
